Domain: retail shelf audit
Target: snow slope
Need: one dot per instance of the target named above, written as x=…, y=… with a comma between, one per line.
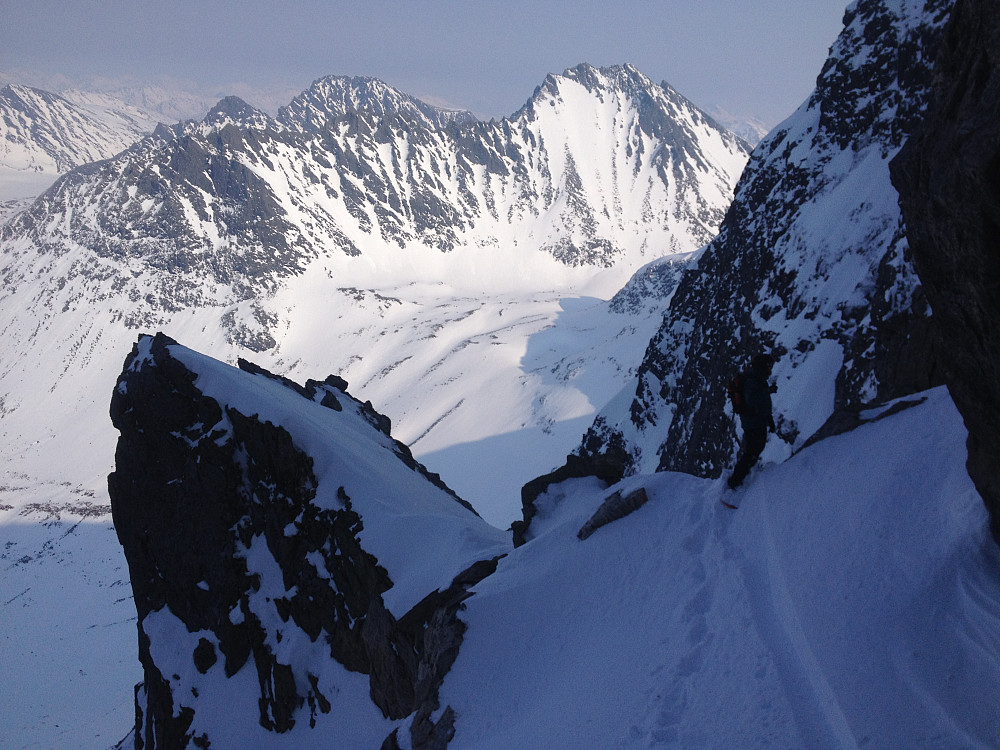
x=852, y=601
x=43, y=135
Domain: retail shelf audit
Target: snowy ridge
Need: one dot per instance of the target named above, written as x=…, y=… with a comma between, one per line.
x=43, y=135
x=330, y=99
x=810, y=264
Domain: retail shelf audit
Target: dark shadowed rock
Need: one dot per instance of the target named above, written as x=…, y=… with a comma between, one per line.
x=608, y=466
x=207, y=503
x=614, y=507
x=948, y=178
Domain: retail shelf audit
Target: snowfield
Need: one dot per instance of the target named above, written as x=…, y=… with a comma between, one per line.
x=853, y=600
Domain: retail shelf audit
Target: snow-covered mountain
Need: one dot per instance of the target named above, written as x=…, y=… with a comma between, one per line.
x=750, y=129
x=811, y=264
x=330, y=99
x=164, y=102
x=43, y=135
x=490, y=341
x=600, y=168
x=424, y=263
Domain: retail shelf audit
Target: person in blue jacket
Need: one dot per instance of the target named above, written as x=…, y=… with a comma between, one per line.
x=755, y=418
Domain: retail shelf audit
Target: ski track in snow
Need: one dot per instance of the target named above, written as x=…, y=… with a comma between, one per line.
x=816, y=709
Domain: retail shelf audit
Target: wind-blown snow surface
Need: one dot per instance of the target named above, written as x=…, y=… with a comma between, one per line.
x=852, y=601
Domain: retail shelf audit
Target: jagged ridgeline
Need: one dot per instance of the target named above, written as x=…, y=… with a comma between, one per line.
x=48, y=133
x=272, y=533
x=601, y=169
x=811, y=264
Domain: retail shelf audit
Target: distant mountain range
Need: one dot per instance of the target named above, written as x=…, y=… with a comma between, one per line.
x=45, y=132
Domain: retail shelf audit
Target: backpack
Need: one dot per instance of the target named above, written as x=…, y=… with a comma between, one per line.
x=737, y=396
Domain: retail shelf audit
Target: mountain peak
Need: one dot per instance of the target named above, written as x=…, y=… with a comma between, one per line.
x=232, y=109
x=334, y=97
x=623, y=77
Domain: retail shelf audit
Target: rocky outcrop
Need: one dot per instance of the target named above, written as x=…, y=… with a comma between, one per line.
x=608, y=466
x=236, y=565
x=614, y=507
x=948, y=178
x=810, y=264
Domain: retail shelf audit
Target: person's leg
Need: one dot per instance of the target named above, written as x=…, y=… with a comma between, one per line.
x=753, y=446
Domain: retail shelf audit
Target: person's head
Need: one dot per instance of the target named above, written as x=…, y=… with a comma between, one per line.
x=762, y=363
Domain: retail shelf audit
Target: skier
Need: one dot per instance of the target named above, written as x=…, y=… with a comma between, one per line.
x=755, y=417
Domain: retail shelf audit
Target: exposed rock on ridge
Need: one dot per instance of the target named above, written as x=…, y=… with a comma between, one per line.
x=226, y=543
x=329, y=100
x=948, y=177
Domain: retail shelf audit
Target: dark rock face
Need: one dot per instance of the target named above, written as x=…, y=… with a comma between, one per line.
x=795, y=273
x=189, y=555
x=613, y=508
x=948, y=178
x=200, y=495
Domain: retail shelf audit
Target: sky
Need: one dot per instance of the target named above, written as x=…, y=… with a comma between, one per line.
x=752, y=58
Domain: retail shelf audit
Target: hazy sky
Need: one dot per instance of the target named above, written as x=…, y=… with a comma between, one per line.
x=752, y=57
